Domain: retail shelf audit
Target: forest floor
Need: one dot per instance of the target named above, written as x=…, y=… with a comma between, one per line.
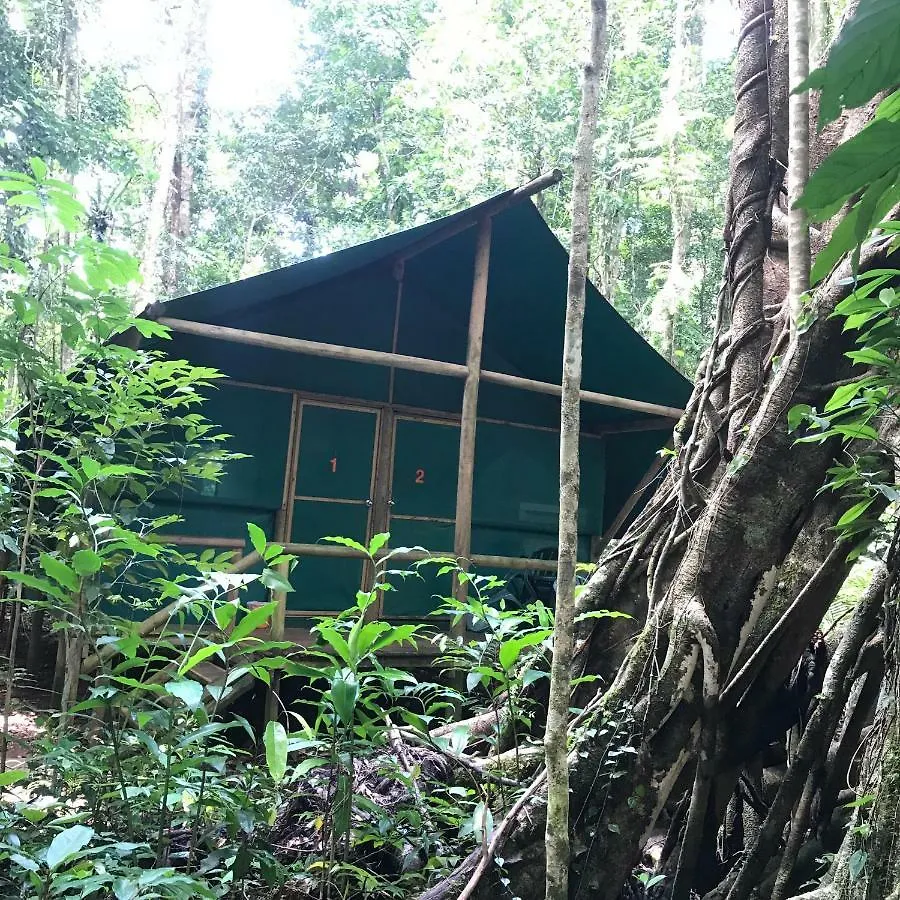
x=23, y=731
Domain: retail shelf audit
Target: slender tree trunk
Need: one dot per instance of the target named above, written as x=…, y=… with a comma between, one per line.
x=749, y=210
x=69, y=67
x=798, y=160
x=681, y=78
x=169, y=217
x=556, y=737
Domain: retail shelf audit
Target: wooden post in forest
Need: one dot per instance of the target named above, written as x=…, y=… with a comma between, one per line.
x=277, y=622
x=556, y=735
x=462, y=541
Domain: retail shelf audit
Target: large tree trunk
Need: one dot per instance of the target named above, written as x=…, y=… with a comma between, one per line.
x=727, y=571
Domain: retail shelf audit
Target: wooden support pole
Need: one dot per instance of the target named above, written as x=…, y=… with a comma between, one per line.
x=545, y=387
x=462, y=537
x=487, y=561
x=190, y=540
x=315, y=348
x=276, y=624
x=400, y=361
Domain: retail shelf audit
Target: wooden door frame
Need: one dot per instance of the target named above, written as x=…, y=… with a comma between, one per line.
x=290, y=487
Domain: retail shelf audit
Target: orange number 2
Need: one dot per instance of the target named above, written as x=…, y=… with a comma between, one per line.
x=420, y=476
x=333, y=462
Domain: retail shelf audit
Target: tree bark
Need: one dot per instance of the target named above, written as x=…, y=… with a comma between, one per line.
x=748, y=211
x=556, y=736
x=799, y=259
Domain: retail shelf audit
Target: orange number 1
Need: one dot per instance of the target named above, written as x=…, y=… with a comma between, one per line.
x=333, y=462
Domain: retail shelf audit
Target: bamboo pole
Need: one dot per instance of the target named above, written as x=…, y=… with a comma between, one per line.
x=487, y=561
x=545, y=387
x=314, y=348
x=462, y=536
x=400, y=361
x=190, y=540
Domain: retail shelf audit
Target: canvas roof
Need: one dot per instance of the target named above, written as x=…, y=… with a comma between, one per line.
x=348, y=297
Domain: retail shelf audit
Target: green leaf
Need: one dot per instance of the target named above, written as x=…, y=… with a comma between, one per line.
x=39, y=584
x=189, y=692
x=858, y=864
x=257, y=538
x=196, y=658
x=347, y=542
x=337, y=642
x=275, y=581
x=26, y=308
x=59, y=572
x=11, y=776
x=39, y=167
x=377, y=542
x=512, y=648
x=854, y=512
x=864, y=60
x=253, y=620
x=865, y=800
x=86, y=562
x=344, y=694
x=797, y=414
x=26, y=863
x=308, y=765
x=843, y=395
x=90, y=467
x=865, y=158
x=66, y=844
x=855, y=226
x=276, y=744
x=125, y=889
x=225, y=614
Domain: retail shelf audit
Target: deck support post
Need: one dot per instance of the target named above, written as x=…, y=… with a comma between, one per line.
x=462, y=541
x=279, y=616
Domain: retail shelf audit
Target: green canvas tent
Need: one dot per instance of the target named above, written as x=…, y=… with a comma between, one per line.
x=347, y=377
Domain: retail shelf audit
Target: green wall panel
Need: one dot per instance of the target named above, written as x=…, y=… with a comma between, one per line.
x=319, y=583
x=336, y=453
x=415, y=594
x=629, y=456
x=426, y=459
x=259, y=424
x=517, y=479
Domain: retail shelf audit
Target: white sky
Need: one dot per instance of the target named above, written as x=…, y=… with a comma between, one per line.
x=253, y=46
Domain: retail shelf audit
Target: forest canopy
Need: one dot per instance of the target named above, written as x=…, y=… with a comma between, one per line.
x=727, y=725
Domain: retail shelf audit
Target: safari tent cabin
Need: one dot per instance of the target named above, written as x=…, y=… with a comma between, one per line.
x=410, y=385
